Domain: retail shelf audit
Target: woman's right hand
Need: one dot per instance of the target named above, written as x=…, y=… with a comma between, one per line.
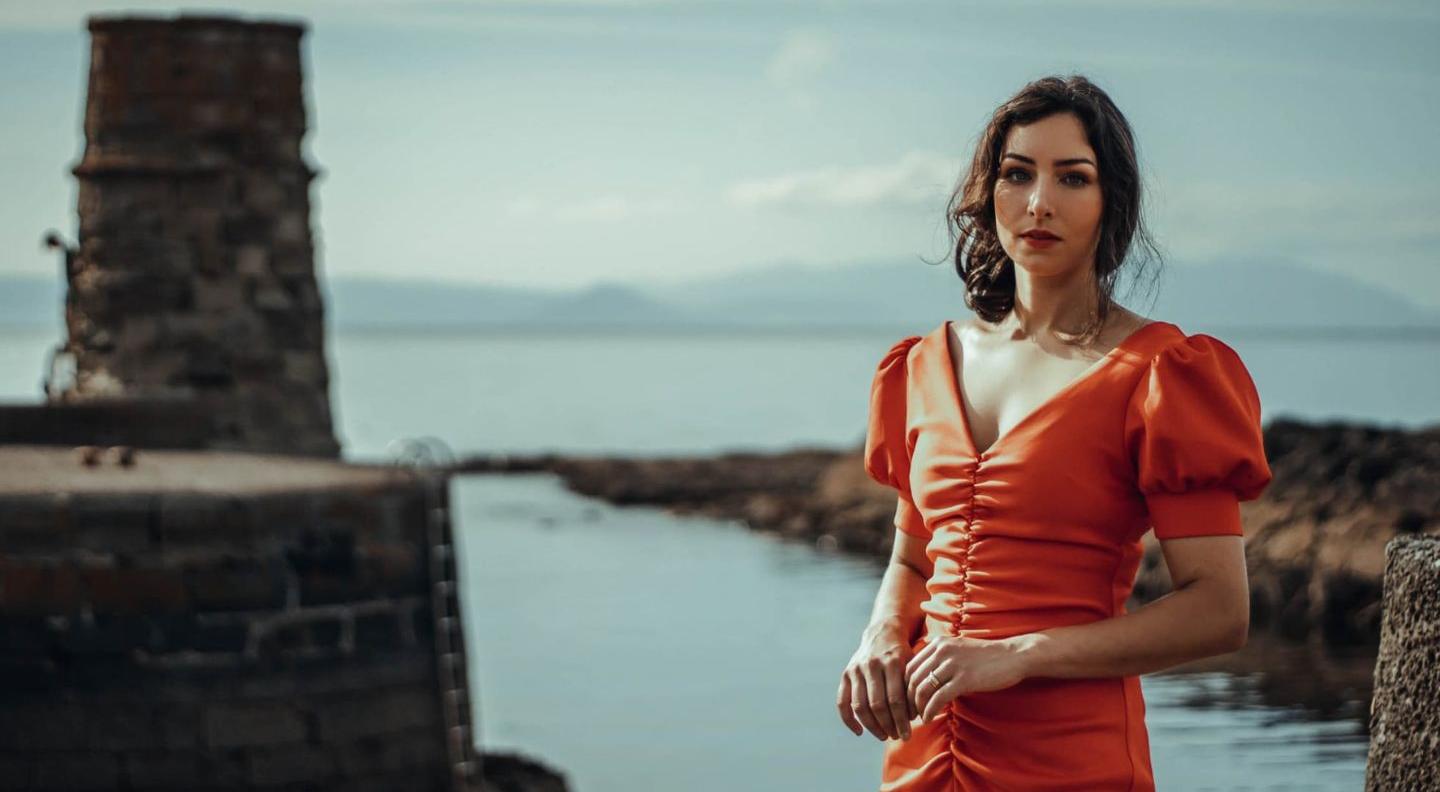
x=873, y=688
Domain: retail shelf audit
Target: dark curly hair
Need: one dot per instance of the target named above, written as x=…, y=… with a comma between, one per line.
x=981, y=262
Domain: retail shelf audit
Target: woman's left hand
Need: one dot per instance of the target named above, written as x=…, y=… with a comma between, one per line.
x=962, y=665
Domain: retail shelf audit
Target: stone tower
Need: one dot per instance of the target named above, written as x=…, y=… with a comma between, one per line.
x=193, y=278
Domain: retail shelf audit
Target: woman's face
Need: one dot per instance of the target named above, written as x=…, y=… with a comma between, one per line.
x=1048, y=180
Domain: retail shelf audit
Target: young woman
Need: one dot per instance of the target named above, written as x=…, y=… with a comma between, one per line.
x=1032, y=447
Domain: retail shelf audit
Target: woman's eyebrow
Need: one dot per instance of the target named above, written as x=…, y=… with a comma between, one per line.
x=1071, y=161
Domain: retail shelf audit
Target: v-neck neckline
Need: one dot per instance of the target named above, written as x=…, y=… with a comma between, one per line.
x=955, y=388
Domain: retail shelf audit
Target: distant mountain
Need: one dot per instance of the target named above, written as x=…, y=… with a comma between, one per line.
x=1269, y=293
x=905, y=293
x=608, y=303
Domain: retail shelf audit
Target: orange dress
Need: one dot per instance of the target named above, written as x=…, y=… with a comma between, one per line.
x=1043, y=529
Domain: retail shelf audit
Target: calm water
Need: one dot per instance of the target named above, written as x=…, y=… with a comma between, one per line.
x=606, y=641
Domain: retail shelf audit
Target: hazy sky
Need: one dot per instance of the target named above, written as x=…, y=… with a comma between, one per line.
x=564, y=143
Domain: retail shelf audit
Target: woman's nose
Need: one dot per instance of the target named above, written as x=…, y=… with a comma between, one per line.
x=1040, y=201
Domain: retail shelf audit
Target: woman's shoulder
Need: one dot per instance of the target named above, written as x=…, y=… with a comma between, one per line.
x=1172, y=342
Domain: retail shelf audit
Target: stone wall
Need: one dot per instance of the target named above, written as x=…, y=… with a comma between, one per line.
x=1405, y=713
x=194, y=271
x=205, y=620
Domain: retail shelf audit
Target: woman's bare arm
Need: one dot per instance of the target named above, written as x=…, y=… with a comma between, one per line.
x=902, y=588
x=872, y=692
x=1207, y=613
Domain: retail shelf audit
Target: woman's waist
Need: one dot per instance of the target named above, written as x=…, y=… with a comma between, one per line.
x=943, y=617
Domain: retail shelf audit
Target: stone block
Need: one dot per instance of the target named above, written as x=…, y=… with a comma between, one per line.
x=419, y=752
x=76, y=771
x=237, y=584
x=35, y=524
x=292, y=764
x=135, y=590
x=380, y=630
x=16, y=770
x=124, y=728
x=24, y=635
x=253, y=724
x=166, y=770
x=35, y=726
x=119, y=523
x=377, y=712
x=115, y=636
x=32, y=587
x=189, y=521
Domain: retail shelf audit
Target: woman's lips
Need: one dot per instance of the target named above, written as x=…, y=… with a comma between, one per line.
x=1040, y=242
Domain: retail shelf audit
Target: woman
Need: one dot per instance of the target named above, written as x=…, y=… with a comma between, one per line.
x=1032, y=447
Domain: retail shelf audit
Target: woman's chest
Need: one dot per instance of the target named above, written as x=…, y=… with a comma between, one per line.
x=1067, y=462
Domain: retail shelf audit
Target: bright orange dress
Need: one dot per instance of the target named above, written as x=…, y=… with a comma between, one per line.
x=1043, y=529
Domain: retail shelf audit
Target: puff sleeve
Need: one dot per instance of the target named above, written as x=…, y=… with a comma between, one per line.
x=1192, y=428
x=887, y=456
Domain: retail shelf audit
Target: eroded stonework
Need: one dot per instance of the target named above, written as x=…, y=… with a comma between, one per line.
x=194, y=275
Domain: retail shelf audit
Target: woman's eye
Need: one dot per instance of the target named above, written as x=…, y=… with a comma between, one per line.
x=1010, y=174
x=1080, y=180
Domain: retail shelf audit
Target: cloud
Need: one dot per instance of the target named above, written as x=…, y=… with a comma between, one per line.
x=917, y=179
x=1246, y=215
x=802, y=57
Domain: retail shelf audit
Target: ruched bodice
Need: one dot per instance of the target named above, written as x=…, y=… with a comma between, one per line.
x=1043, y=529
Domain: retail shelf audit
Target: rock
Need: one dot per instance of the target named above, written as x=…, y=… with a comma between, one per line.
x=1405, y=712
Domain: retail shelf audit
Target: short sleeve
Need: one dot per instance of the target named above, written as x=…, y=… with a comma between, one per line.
x=1192, y=428
x=887, y=456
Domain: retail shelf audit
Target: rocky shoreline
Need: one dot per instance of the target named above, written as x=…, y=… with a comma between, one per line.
x=1315, y=541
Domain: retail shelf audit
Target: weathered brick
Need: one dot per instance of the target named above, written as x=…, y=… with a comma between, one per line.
x=366, y=714
x=35, y=523
x=16, y=771
x=165, y=769
x=30, y=672
x=254, y=724
x=120, y=523
x=231, y=584
x=40, y=587
x=434, y=781
x=216, y=635
x=105, y=634
x=189, y=520
x=393, y=568
x=206, y=632
x=341, y=676
x=73, y=771
x=111, y=728
x=135, y=590
x=349, y=511
x=278, y=517
x=378, y=630
x=24, y=635
x=292, y=764
x=300, y=632
x=181, y=724
x=42, y=726
x=318, y=587
x=417, y=751
x=401, y=517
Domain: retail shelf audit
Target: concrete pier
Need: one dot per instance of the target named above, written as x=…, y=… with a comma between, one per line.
x=206, y=619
